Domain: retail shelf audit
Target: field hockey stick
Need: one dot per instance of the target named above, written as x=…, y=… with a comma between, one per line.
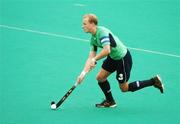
x=55, y=106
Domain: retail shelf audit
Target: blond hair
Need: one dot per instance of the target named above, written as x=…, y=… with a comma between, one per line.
x=92, y=18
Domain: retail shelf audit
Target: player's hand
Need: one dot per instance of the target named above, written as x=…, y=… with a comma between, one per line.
x=92, y=63
x=81, y=77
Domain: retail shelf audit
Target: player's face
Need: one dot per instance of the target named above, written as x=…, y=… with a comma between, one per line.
x=86, y=25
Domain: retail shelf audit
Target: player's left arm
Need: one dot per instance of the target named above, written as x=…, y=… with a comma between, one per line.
x=103, y=53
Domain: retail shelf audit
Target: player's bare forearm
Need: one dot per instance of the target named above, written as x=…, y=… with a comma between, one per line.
x=104, y=52
x=87, y=68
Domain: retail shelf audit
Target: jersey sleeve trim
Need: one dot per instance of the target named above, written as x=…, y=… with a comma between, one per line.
x=104, y=39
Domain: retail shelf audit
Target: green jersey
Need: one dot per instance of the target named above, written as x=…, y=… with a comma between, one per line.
x=104, y=37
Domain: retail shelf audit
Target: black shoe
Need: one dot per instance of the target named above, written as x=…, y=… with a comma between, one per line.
x=158, y=83
x=106, y=104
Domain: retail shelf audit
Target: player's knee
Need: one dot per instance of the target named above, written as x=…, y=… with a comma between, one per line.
x=100, y=78
x=124, y=87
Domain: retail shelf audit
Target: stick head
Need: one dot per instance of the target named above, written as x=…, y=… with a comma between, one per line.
x=53, y=105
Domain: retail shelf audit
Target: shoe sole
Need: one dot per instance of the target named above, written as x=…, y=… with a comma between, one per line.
x=162, y=86
x=112, y=106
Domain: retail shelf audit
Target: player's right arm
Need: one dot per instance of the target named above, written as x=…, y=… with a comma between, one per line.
x=87, y=66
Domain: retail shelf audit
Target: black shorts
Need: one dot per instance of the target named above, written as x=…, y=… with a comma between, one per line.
x=122, y=67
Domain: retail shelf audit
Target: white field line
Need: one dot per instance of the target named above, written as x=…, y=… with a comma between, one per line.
x=80, y=39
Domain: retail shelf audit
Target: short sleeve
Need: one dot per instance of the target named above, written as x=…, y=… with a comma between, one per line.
x=104, y=38
x=92, y=46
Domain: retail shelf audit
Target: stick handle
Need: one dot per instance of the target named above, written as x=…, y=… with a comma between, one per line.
x=76, y=84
